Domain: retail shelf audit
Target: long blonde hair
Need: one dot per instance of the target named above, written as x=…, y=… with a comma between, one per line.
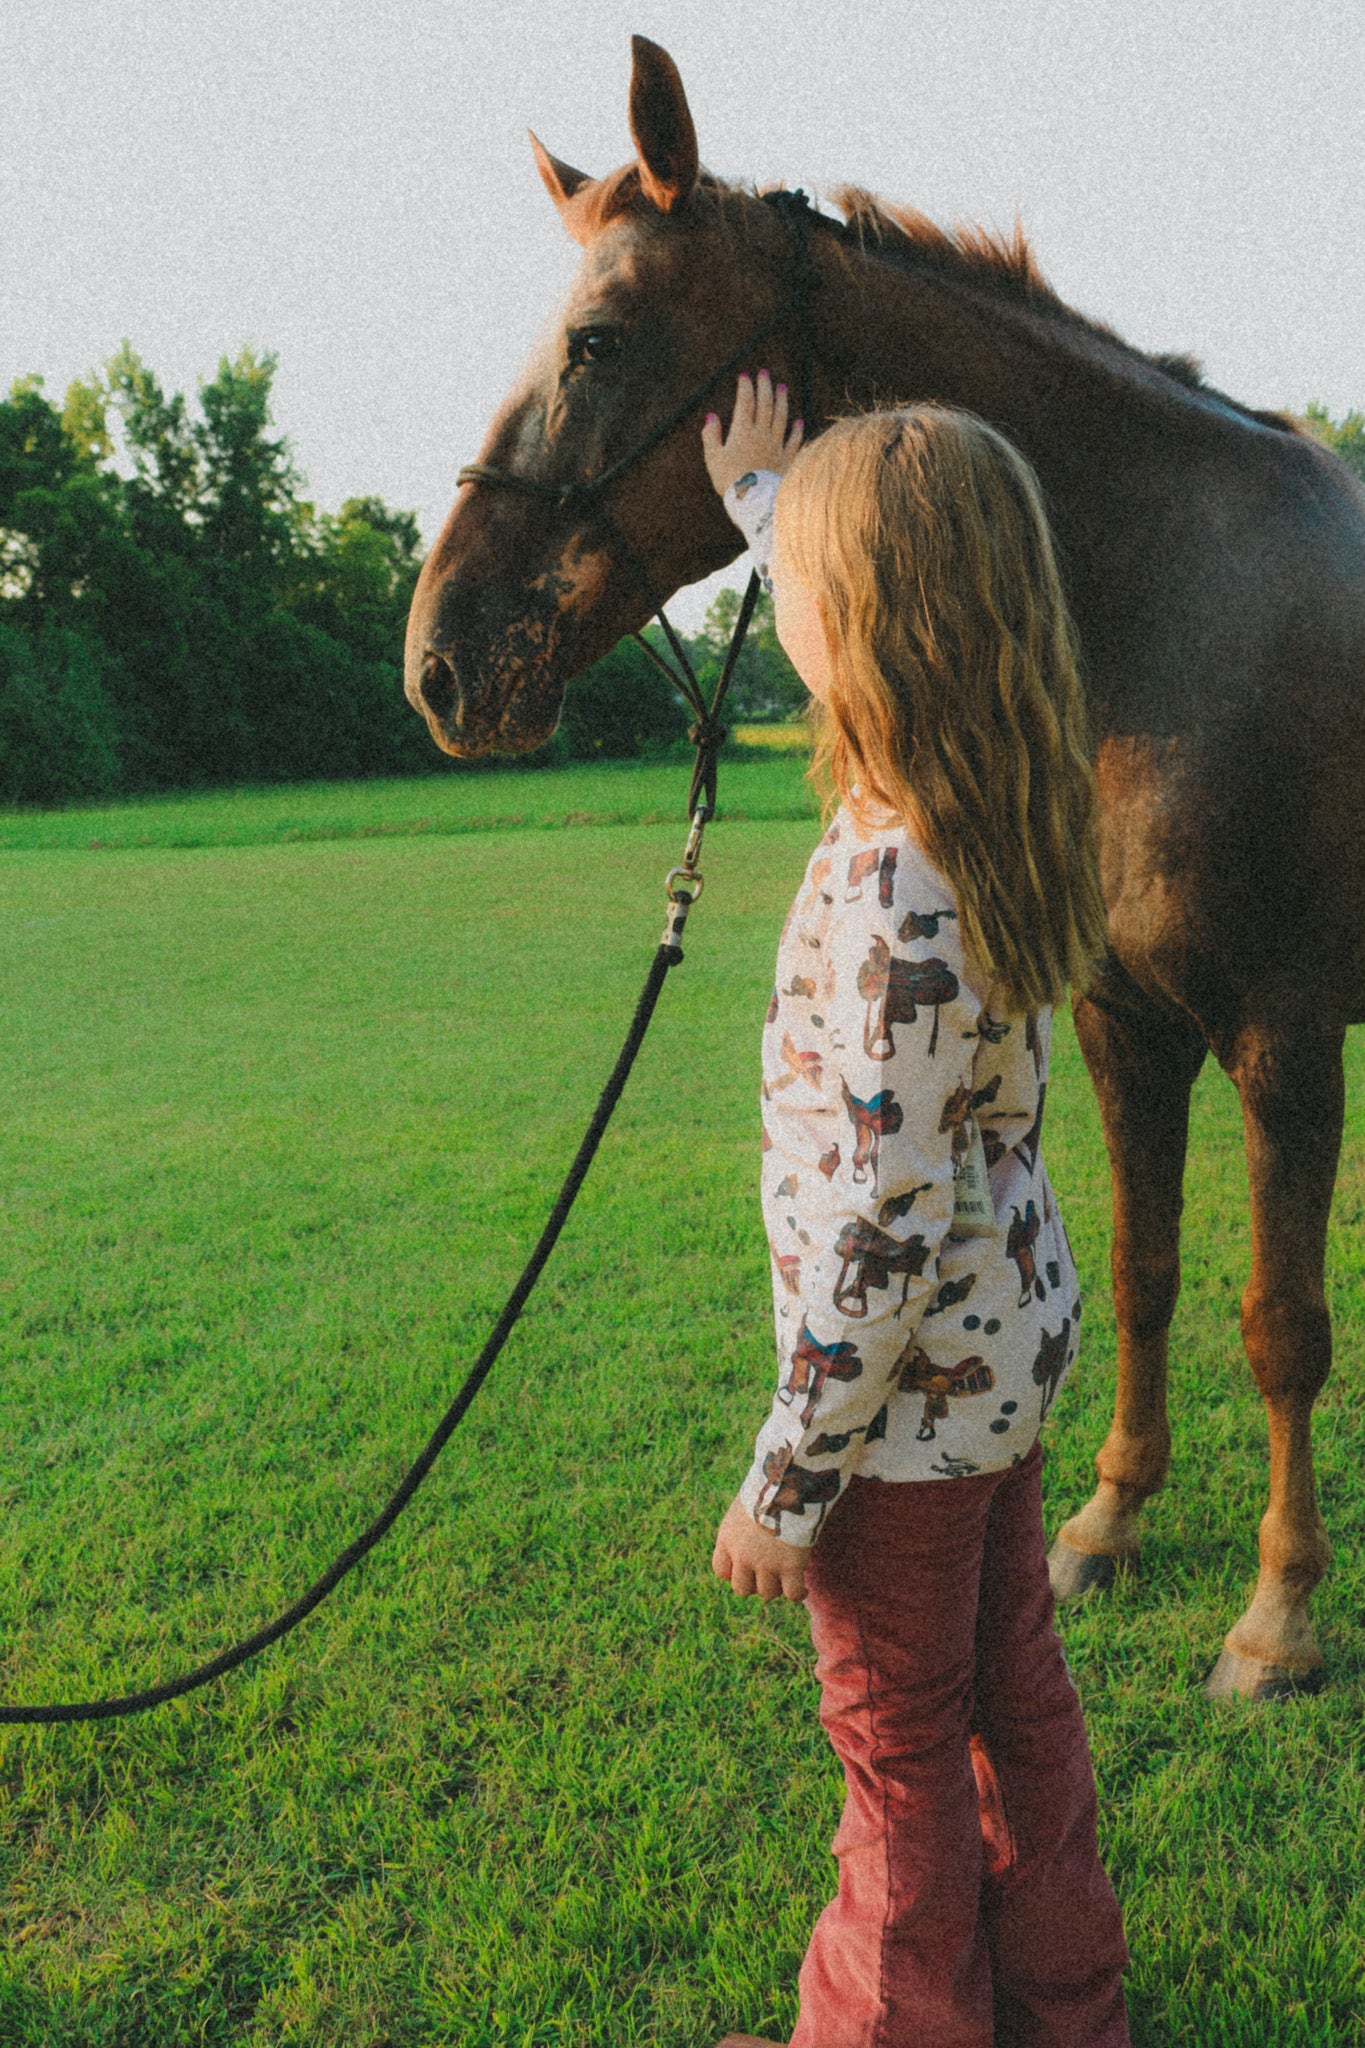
x=954, y=700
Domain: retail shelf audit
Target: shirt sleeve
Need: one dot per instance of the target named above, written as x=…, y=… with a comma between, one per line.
x=749, y=500
x=894, y=1061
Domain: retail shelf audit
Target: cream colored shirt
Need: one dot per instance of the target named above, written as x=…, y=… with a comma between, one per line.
x=906, y=1349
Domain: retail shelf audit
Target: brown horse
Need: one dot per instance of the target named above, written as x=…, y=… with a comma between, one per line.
x=1215, y=564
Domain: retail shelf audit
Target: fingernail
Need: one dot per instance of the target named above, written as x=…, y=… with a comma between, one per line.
x=800, y=423
x=783, y=389
x=713, y=416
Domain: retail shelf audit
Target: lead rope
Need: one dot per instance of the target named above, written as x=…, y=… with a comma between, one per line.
x=682, y=888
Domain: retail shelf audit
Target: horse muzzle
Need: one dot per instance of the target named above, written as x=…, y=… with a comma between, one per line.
x=486, y=666
x=510, y=707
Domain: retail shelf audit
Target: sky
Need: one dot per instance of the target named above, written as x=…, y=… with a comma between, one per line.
x=349, y=183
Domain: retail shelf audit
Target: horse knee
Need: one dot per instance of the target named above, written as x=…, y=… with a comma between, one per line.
x=1145, y=1293
x=1288, y=1339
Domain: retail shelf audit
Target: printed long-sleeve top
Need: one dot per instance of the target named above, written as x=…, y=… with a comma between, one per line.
x=921, y=1334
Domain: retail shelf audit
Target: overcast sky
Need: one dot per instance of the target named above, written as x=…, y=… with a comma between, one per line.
x=349, y=183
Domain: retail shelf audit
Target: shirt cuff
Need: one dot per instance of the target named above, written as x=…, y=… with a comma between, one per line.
x=749, y=500
x=759, y=1496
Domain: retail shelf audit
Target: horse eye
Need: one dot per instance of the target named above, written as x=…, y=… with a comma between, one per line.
x=593, y=345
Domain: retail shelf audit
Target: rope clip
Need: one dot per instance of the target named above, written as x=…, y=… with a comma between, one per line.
x=691, y=885
x=683, y=884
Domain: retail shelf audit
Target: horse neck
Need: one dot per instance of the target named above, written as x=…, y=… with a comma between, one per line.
x=1065, y=393
x=1094, y=418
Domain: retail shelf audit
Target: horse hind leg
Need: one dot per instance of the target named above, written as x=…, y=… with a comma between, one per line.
x=1143, y=1064
x=1292, y=1094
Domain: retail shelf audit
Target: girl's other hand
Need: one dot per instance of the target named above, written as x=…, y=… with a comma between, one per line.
x=756, y=1561
x=758, y=437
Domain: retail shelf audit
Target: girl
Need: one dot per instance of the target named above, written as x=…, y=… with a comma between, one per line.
x=926, y=1299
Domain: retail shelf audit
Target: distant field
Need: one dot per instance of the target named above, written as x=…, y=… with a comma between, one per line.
x=768, y=784
x=779, y=739
x=281, y=1113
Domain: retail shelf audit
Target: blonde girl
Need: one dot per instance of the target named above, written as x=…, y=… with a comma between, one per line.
x=926, y=1302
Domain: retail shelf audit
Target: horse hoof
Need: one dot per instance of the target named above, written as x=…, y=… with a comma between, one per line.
x=1251, y=1678
x=1074, y=1572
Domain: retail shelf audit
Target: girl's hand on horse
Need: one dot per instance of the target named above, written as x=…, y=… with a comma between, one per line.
x=756, y=1561
x=758, y=437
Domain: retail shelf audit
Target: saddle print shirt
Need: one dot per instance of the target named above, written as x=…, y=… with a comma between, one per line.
x=906, y=1350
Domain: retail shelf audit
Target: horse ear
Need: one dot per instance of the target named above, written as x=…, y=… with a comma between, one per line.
x=561, y=180
x=661, y=125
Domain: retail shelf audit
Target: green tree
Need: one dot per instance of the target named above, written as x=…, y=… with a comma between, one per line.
x=58, y=509
x=163, y=494
x=357, y=572
x=283, y=654
x=175, y=613
x=764, y=689
x=1345, y=437
x=102, y=557
x=58, y=726
x=37, y=462
x=34, y=452
x=622, y=705
x=85, y=421
x=248, y=509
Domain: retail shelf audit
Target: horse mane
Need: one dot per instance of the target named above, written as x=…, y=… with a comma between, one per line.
x=1006, y=265
x=1003, y=264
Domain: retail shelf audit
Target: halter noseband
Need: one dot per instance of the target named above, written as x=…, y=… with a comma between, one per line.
x=583, y=501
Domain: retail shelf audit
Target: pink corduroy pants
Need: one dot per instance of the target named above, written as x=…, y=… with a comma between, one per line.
x=973, y=1910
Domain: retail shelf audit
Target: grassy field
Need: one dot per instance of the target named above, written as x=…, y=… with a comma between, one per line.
x=282, y=1110
x=763, y=780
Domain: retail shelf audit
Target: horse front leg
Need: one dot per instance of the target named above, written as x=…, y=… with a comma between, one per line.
x=1292, y=1093
x=1143, y=1064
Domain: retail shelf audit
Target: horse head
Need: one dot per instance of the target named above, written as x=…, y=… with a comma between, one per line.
x=522, y=591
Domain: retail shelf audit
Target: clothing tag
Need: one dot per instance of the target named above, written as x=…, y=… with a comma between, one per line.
x=973, y=1210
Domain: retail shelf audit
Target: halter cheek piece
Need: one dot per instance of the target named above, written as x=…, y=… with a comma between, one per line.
x=583, y=503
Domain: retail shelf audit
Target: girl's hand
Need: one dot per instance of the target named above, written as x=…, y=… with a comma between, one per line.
x=756, y=1561
x=758, y=437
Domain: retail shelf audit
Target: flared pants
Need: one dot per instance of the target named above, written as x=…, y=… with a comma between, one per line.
x=972, y=1907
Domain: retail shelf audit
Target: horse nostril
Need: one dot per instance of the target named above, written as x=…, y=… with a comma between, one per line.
x=440, y=692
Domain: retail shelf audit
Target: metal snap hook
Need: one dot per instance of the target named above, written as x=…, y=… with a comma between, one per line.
x=690, y=892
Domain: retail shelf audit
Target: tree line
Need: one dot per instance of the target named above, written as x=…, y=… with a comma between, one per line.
x=183, y=616
x=176, y=614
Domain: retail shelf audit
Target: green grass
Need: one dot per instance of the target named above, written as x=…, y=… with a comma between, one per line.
x=279, y=1122
x=759, y=780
